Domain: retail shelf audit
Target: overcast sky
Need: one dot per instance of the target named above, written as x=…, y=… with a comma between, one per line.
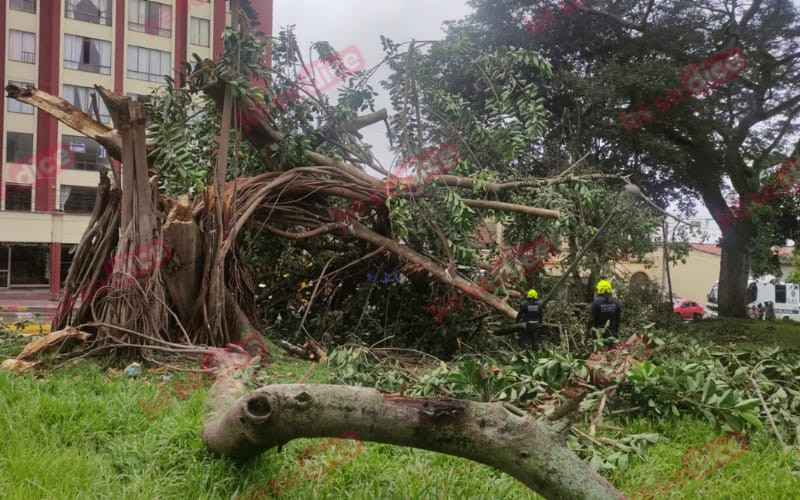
x=344, y=23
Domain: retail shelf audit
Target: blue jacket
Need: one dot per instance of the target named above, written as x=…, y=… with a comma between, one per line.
x=531, y=310
x=605, y=309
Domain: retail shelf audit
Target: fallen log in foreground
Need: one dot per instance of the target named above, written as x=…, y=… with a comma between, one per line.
x=494, y=434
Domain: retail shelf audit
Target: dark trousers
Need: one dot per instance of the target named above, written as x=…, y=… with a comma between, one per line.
x=529, y=338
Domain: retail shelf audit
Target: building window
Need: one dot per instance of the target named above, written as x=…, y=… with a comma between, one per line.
x=91, y=11
x=30, y=265
x=77, y=199
x=150, y=17
x=23, y=5
x=18, y=197
x=15, y=106
x=81, y=98
x=87, y=54
x=147, y=64
x=82, y=153
x=19, y=148
x=200, y=30
x=22, y=46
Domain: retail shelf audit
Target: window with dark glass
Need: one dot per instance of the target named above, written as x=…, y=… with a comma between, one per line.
x=67, y=256
x=82, y=153
x=81, y=98
x=90, y=11
x=22, y=46
x=148, y=64
x=87, y=54
x=23, y=5
x=19, y=148
x=18, y=196
x=150, y=17
x=77, y=199
x=780, y=293
x=30, y=264
x=15, y=106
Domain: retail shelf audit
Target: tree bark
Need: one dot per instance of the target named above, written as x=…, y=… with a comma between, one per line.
x=734, y=269
x=495, y=434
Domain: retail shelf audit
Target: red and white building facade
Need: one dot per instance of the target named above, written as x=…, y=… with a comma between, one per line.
x=49, y=172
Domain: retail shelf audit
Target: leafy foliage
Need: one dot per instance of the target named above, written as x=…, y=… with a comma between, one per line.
x=683, y=378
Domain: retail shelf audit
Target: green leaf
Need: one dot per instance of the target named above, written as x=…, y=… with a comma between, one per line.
x=747, y=404
x=709, y=389
x=752, y=419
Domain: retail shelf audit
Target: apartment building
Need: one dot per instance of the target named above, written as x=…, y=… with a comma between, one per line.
x=64, y=47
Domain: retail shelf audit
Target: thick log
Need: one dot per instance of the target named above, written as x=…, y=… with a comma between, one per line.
x=495, y=434
x=294, y=350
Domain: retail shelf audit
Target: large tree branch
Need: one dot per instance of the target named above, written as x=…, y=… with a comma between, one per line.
x=512, y=207
x=68, y=114
x=495, y=434
x=641, y=27
x=353, y=125
x=499, y=187
x=759, y=115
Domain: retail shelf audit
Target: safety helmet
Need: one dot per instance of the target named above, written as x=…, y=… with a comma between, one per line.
x=604, y=287
x=533, y=294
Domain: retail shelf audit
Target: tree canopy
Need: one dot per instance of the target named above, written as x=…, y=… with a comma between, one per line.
x=621, y=75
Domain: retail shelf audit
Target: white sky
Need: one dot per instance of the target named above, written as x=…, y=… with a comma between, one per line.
x=361, y=22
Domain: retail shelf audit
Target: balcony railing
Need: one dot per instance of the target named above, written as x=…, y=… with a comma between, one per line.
x=26, y=57
x=150, y=29
x=91, y=68
x=24, y=5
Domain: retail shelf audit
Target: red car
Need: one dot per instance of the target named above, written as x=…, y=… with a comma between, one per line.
x=688, y=309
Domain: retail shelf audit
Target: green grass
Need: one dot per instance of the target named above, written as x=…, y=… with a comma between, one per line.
x=84, y=432
x=695, y=461
x=748, y=333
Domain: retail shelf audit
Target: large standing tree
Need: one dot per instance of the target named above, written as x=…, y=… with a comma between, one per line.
x=618, y=89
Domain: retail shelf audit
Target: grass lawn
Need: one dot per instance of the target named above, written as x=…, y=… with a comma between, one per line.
x=85, y=432
x=748, y=333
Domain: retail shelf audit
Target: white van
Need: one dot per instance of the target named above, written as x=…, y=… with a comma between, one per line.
x=784, y=296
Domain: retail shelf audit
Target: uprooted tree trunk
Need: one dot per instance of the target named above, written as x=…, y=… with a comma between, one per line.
x=495, y=434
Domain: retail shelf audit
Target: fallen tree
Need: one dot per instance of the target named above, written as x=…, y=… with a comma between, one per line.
x=162, y=273
x=168, y=266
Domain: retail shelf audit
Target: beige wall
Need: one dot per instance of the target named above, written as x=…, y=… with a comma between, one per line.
x=692, y=280
x=37, y=227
